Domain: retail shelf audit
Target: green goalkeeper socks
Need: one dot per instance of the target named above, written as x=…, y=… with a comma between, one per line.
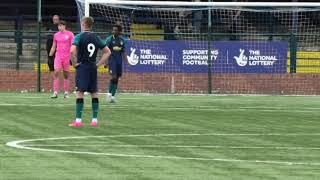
x=79, y=108
x=95, y=107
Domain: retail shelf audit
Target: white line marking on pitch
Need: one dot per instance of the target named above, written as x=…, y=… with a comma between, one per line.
x=200, y=108
x=180, y=98
x=17, y=144
x=172, y=146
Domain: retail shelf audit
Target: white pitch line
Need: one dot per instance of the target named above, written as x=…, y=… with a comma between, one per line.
x=165, y=157
x=171, y=146
x=17, y=144
x=180, y=98
x=30, y=97
x=197, y=134
x=200, y=108
x=171, y=95
x=168, y=135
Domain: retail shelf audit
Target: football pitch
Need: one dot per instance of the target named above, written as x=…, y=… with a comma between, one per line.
x=161, y=137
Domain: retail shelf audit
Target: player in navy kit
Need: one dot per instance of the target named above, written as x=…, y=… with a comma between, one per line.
x=83, y=54
x=116, y=44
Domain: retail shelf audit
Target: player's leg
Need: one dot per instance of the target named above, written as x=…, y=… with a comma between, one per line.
x=95, y=109
x=114, y=86
x=66, y=82
x=51, y=72
x=57, y=70
x=51, y=66
x=93, y=89
x=113, y=79
x=79, y=109
x=50, y=59
x=81, y=84
x=112, y=70
x=116, y=79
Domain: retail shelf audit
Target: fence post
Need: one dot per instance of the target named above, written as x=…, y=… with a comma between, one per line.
x=19, y=50
x=293, y=53
x=293, y=40
x=18, y=39
x=209, y=53
x=39, y=46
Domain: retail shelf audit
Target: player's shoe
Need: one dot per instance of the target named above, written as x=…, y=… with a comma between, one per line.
x=76, y=124
x=66, y=96
x=112, y=99
x=94, y=124
x=108, y=98
x=54, y=95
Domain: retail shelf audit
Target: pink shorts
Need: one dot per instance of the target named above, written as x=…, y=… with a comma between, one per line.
x=62, y=64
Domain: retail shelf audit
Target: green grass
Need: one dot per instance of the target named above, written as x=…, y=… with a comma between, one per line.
x=235, y=137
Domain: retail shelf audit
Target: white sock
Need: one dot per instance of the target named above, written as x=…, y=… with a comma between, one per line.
x=66, y=92
x=94, y=120
x=55, y=92
x=78, y=120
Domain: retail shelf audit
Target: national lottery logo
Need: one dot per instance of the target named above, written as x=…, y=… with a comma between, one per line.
x=242, y=60
x=146, y=57
x=254, y=58
x=133, y=58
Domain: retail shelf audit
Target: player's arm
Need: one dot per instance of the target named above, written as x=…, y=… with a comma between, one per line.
x=107, y=43
x=106, y=53
x=74, y=59
x=74, y=50
x=71, y=38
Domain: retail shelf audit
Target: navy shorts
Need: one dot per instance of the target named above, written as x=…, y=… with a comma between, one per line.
x=115, y=68
x=87, y=78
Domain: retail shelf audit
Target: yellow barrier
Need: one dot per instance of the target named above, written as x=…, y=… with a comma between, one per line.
x=143, y=26
x=44, y=68
x=149, y=29
x=307, y=62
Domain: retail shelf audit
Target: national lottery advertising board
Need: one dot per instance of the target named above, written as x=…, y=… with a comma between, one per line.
x=192, y=56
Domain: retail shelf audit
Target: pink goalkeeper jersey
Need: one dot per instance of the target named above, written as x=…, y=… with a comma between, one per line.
x=63, y=41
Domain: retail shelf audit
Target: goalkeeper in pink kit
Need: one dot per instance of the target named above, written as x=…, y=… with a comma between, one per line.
x=62, y=42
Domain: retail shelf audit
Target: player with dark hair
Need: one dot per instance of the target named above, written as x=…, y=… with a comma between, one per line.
x=62, y=42
x=83, y=55
x=116, y=44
